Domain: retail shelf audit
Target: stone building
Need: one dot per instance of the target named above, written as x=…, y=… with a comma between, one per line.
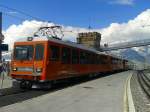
x=89, y=39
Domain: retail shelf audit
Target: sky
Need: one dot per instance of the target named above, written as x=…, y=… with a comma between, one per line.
x=76, y=13
x=117, y=20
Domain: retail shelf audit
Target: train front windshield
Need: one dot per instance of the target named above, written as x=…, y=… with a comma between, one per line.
x=23, y=52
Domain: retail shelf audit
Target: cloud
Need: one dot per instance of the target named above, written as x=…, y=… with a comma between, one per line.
x=122, y=2
x=135, y=29
x=26, y=29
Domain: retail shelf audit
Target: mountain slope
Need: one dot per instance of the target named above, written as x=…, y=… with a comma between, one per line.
x=131, y=54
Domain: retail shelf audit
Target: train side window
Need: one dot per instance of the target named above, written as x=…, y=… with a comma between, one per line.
x=75, y=56
x=85, y=58
x=82, y=57
x=92, y=58
x=97, y=59
x=103, y=59
x=114, y=61
x=106, y=59
x=66, y=54
x=54, y=53
x=88, y=58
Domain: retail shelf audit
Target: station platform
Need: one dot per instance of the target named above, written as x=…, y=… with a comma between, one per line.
x=5, y=81
x=105, y=94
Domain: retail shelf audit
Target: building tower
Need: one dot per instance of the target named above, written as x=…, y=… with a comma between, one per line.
x=89, y=39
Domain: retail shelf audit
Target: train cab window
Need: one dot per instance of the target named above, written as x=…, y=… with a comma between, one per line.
x=54, y=53
x=23, y=52
x=66, y=55
x=39, y=52
x=75, y=56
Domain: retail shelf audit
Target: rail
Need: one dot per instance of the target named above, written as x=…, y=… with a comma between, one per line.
x=144, y=81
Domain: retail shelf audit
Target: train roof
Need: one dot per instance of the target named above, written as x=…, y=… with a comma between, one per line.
x=68, y=43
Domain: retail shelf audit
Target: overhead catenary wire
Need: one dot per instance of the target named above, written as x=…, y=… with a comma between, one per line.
x=14, y=16
x=27, y=15
x=23, y=19
x=21, y=12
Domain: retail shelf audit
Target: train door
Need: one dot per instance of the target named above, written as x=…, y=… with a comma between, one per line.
x=66, y=66
x=53, y=66
x=39, y=67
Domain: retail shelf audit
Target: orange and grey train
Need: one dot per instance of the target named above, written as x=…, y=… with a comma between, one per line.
x=43, y=61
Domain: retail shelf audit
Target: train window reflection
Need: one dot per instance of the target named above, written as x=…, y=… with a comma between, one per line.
x=66, y=53
x=75, y=56
x=54, y=53
x=23, y=52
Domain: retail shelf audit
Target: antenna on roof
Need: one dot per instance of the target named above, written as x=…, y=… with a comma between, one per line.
x=90, y=27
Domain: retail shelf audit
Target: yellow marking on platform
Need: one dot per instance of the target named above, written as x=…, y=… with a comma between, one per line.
x=128, y=102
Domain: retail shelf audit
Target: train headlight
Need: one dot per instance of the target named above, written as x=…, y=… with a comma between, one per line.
x=14, y=69
x=30, y=38
x=38, y=70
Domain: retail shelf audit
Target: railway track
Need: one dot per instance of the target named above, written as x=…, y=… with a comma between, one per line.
x=19, y=97
x=10, y=91
x=144, y=81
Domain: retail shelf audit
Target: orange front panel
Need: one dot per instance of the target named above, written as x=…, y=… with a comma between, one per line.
x=26, y=68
